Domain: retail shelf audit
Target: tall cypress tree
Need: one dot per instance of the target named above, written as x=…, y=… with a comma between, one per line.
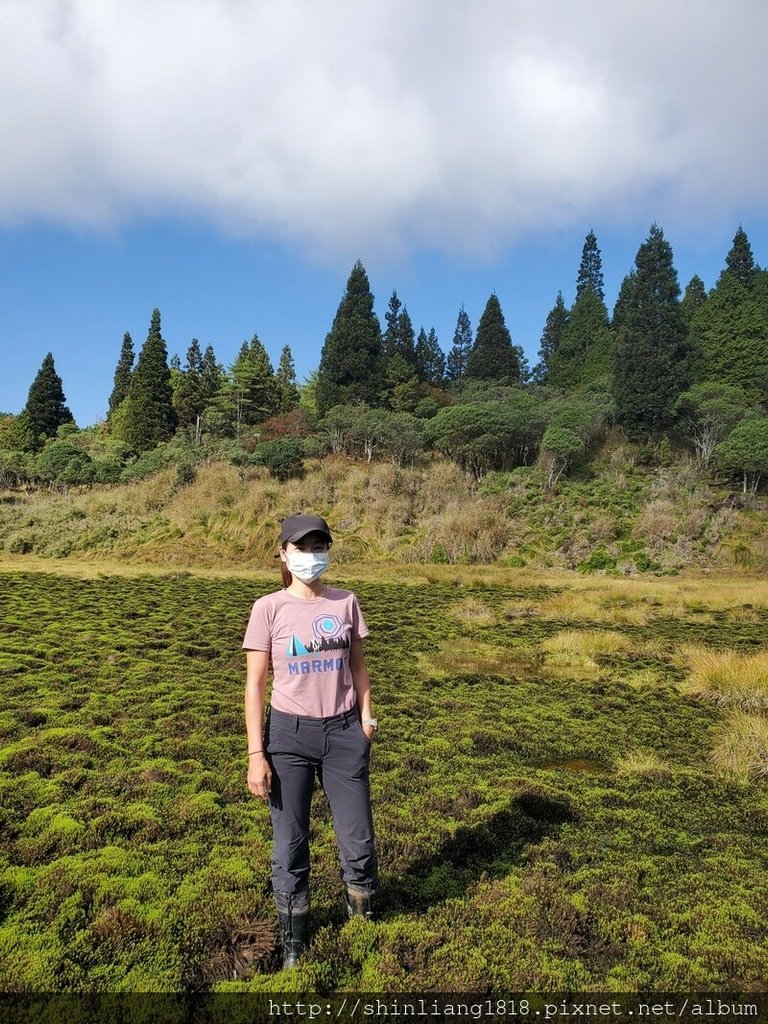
x=430, y=360
x=729, y=334
x=694, y=298
x=623, y=300
x=590, y=269
x=150, y=418
x=286, y=381
x=255, y=390
x=456, y=363
x=189, y=398
x=740, y=263
x=211, y=373
x=123, y=372
x=350, y=367
x=651, y=364
x=392, y=333
x=46, y=407
x=399, y=337
x=584, y=345
x=194, y=357
x=557, y=320
x=493, y=356
x=406, y=344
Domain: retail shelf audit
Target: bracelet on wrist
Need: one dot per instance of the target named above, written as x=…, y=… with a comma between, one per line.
x=256, y=751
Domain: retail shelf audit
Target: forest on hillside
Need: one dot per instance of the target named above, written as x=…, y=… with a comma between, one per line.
x=672, y=371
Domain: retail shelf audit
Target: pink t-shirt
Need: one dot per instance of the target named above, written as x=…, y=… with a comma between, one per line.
x=309, y=642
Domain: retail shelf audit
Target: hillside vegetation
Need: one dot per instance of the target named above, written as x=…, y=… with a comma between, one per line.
x=612, y=515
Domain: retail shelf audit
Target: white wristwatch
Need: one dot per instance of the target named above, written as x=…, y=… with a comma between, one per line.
x=372, y=721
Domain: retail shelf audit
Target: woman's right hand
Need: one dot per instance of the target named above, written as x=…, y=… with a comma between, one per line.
x=259, y=775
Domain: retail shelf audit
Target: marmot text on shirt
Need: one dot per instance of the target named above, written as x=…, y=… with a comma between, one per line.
x=309, y=643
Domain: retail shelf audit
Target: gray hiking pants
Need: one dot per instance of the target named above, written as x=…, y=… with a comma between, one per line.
x=337, y=750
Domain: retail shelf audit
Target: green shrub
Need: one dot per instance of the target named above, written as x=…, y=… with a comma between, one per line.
x=599, y=560
x=283, y=457
x=185, y=474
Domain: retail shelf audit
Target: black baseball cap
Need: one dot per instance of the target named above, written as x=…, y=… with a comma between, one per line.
x=296, y=527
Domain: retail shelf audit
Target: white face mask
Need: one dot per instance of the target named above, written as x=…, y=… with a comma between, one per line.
x=307, y=565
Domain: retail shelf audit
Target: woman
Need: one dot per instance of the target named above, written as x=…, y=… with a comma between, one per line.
x=319, y=722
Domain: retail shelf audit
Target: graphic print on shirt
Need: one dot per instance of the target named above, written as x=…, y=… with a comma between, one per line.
x=328, y=634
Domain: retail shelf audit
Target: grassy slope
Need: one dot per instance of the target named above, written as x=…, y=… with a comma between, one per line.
x=610, y=516
x=566, y=788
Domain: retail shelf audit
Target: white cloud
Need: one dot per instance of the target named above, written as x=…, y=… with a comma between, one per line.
x=349, y=125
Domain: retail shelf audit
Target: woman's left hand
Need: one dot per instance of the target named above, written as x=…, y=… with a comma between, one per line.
x=370, y=732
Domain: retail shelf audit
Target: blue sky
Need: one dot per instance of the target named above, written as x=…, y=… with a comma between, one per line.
x=227, y=162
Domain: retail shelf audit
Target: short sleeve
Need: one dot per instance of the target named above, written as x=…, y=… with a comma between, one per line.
x=258, y=635
x=359, y=628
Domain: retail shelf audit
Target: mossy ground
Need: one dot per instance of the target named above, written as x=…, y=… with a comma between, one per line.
x=559, y=797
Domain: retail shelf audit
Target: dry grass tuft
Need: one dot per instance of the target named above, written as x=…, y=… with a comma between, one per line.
x=657, y=523
x=574, y=651
x=589, y=643
x=476, y=530
x=727, y=677
x=595, y=606
x=217, y=486
x=519, y=609
x=742, y=747
x=642, y=679
x=472, y=613
x=150, y=494
x=641, y=762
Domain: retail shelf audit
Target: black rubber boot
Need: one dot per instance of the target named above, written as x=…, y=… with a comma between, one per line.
x=293, y=916
x=360, y=900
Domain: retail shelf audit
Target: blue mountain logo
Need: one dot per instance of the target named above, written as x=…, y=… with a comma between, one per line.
x=296, y=647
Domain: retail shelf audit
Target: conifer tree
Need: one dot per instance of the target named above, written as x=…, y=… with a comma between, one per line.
x=651, y=366
x=351, y=360
x=430, y=360
x=493, y=356
x=19, y=435
x=739, y=262
x=211, y=373
x=694, y=298
x=219, y=413
x=591, y=269
x=456, y=363
x=46, y=407
x=557, y=320
x=401, y=385
x=729, y=334
x=149, y=417
x=123, y=372
x=189, y=398
x=406, y=344
x=421, y=346
x=254, y=388
x=392, y=333
x=194, y=357
x=623, y=300
x=399, y=337
x=286, y=381
x=585, y=345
